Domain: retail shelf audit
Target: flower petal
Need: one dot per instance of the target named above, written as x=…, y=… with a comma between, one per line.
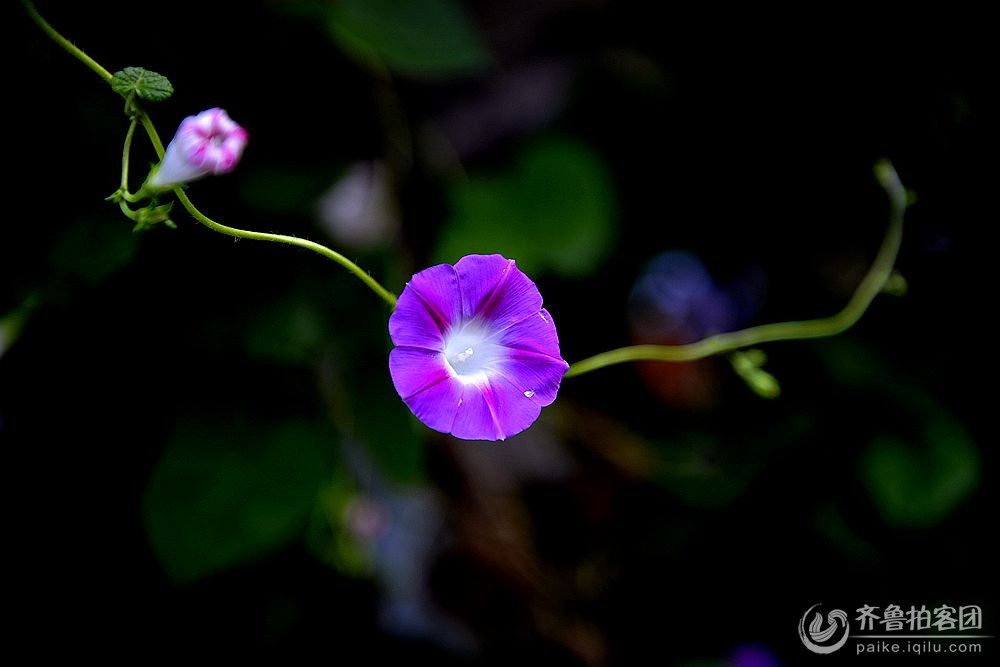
x=415, y=369
x=495, y=292
x=536, y=333
x=429, y=307
x=208, y=143
x=203, y=124
x=425, y=385
x=476, y=414
x=517, y=411
x=492, y=410
x=222, y=123
x=536, y=376
x=175, y=168
x=527, y=355
x=476, y=354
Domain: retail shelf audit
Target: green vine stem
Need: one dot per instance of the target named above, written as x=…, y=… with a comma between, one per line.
x=185, y=201
x=873, y=283
x=329, y=253
x=122, y=195
x=71, y=48
x=383, y=293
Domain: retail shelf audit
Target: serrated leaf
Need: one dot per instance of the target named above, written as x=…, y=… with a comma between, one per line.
x=143, y=83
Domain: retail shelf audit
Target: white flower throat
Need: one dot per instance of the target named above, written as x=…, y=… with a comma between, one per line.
x=468, y=353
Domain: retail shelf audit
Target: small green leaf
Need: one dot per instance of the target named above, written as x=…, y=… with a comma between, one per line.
x=142, y=83
x=151, y=216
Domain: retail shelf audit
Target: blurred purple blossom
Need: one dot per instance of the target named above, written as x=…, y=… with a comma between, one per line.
x=752, y=655
x=676, y=301
x=402, y=533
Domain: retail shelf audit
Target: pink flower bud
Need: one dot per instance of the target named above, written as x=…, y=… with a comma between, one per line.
x=209, y=143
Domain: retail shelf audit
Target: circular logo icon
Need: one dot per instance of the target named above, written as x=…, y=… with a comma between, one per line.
x=819, y=639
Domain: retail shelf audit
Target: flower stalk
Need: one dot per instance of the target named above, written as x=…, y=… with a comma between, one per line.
x=871, y=285
x=212, y=143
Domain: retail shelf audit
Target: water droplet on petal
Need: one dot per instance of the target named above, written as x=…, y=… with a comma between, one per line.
x=529, y=393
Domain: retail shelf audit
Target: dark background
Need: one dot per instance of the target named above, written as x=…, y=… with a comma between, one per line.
x=205, y=450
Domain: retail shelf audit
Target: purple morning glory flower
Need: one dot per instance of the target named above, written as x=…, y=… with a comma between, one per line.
x=476, y=354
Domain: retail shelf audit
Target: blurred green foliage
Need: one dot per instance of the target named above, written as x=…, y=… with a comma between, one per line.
x=290, y=330
x=919, y=483
x=832, y=525
x=878, y=453
x=699, y=467
x=284, y=189
x=367, y=405
x=394, y=437
x=428, y=37
x=921, y=471
x=89, y=249
x=226, y=492
x=554, y=209
x=328, y=536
